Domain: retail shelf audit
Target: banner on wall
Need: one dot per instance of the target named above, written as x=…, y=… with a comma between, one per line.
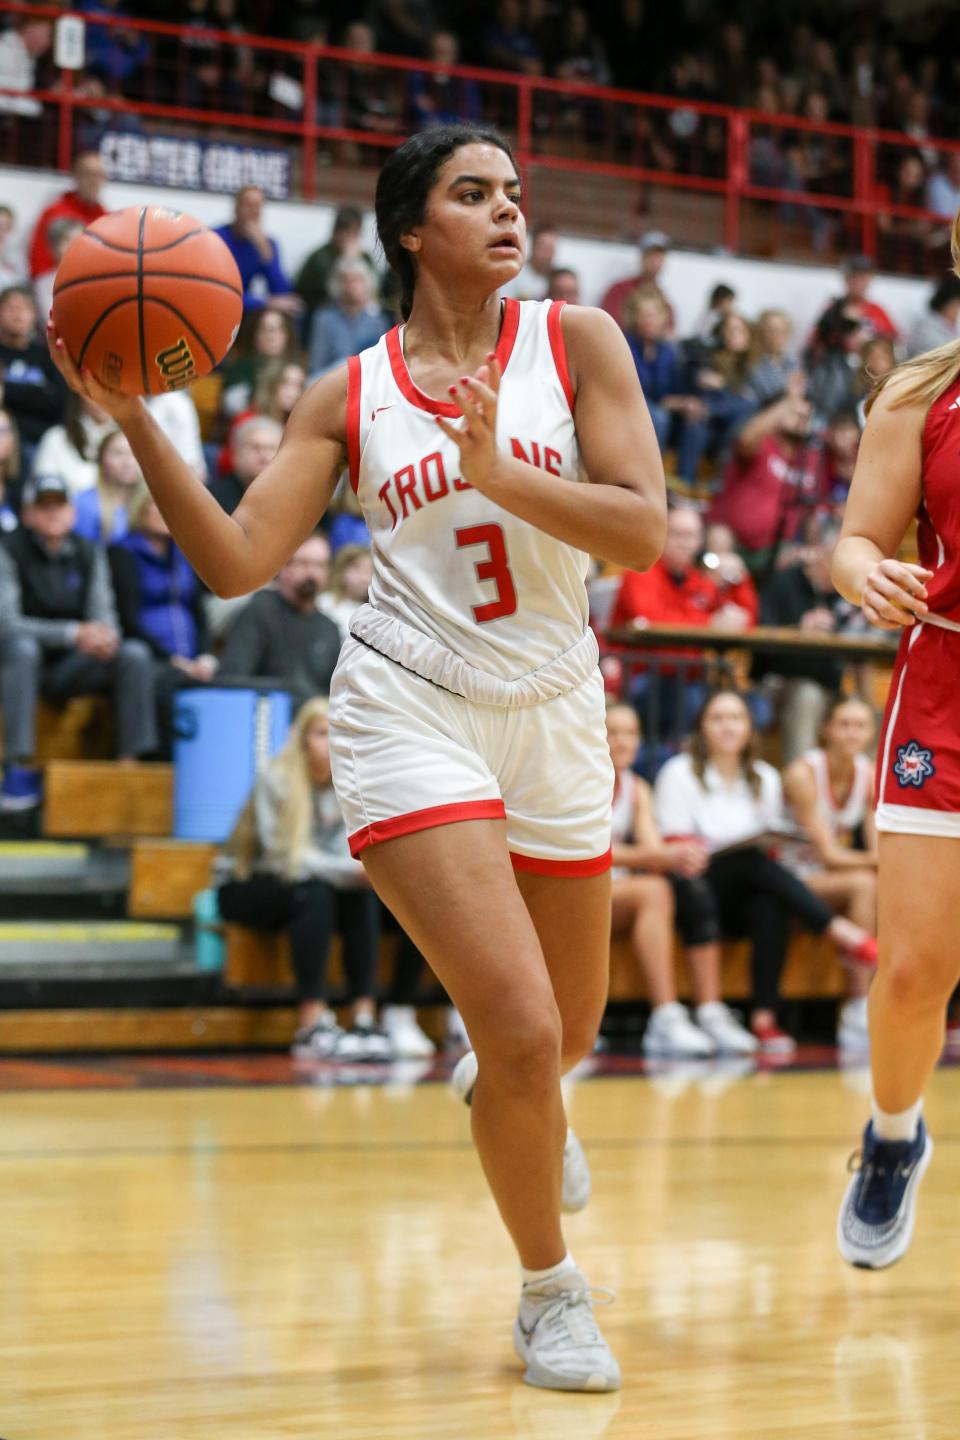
x=186, y=164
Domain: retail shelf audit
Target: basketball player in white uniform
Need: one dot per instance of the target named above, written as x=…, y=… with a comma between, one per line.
x=493, y=445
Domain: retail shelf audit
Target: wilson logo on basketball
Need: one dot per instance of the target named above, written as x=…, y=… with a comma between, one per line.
x=177, y=365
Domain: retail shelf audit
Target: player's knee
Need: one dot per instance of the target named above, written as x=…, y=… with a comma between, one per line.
x=525, y=1053
x=915, y=978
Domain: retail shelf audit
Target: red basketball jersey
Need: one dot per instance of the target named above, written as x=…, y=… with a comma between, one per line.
x=938, y=519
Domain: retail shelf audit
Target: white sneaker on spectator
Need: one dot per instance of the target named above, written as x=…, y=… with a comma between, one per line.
x=363, y=1041
x=852, y=1031
x=671, y=1034
x=316, y=1042
x=725, y=1029
x=577, y=1184
x=557, y=1337
x=407, y=1040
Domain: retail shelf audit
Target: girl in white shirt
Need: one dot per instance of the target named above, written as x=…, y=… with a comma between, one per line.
x=722, y=794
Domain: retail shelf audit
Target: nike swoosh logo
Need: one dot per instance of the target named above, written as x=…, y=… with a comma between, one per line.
x=378, y=411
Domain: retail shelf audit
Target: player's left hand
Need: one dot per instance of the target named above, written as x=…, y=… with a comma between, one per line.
x=476, y=436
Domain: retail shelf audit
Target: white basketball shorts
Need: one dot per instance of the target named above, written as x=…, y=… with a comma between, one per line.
x=408, y=755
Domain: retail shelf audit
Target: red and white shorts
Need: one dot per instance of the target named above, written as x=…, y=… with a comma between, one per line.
x=918, y=758
x=408, y=755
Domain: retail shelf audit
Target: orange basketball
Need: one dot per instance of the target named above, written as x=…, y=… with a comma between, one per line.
x=147, y=299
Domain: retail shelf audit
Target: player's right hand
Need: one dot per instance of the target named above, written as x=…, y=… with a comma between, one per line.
x=895, y=594
x=118, y=406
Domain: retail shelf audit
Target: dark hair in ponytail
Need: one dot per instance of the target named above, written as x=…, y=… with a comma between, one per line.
x=404, y=184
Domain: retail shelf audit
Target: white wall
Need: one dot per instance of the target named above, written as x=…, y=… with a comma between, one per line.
x=688, y=277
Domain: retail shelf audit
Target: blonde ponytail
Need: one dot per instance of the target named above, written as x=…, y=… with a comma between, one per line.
x=923, y=379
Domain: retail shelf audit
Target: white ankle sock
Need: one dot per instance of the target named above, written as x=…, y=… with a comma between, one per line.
x=901, y=1126
x=539, y=1277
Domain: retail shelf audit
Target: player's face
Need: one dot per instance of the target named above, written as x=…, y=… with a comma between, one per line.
x=849, y=731
x=726, y=726
x=473, y=225
x=623, y=736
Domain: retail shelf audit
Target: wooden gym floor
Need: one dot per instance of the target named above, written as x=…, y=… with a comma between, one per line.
x=206, y=1251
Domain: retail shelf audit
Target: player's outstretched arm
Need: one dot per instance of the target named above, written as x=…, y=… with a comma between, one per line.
x=234, y=554
x=884, y=498
x=621, y=515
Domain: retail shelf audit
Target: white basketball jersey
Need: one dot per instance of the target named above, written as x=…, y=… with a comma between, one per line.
x=846, y=818
x=447, y=561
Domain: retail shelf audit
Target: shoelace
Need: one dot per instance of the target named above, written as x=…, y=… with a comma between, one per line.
x=874, y=1202
x=568, y=1320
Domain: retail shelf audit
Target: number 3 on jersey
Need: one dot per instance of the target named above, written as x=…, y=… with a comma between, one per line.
x=496, y=568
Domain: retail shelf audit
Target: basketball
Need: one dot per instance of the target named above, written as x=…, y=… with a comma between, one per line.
x=148, y=299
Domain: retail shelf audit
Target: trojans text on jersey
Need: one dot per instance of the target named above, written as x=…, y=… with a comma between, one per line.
x=422, y=483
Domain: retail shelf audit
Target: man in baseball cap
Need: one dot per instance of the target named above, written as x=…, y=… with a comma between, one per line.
x=654, y=248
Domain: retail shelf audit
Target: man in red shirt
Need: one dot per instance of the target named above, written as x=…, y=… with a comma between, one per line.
x=82, y=203
x=653, y=254
x=858, y=272
x=676, y=591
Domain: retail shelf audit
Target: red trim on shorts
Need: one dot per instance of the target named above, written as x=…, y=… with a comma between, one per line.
x=559, y=349
x=353, y=420
x=427, y=819
x=536, y=866
x=411, y=391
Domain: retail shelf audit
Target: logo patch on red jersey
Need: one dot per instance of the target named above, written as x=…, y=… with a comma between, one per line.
x=913, y=765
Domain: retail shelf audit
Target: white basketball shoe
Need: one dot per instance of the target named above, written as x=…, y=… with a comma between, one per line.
x=557, y=1337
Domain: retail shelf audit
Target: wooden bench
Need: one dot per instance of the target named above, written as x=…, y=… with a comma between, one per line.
x=165, y=875
x=103, y=797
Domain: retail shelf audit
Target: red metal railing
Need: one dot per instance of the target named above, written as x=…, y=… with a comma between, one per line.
x=592, y=158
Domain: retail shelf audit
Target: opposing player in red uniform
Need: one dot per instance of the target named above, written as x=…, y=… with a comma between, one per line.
x=467, y=711
x=908, y=467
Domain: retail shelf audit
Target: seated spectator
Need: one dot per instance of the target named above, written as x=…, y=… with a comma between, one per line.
x=832, y=362
x=830, y=794
x=404, y=27
x=858, y=273
x=816, y=164
x=102, y=510
x=943, y=188
x=9, y=471
x=60, y=637
x=347, y=525
x=938, y=324
x=159, y=602
x=93, y=122
x=345, y=243
x=904, y=241
x=722, y=795
x=351, y=322
x=578, y=54
x=278, y=389
x=119, y=53
x=564, y=285
x=841, y=445
x=533, y=281
x=33, y=388
x=21, y=45
x=280, y=634
x=802, y=595
x=654, y=248
x=723, y=381
x=366, y=103
x=677, y=591
x=720, y=304
x=289, y=869
x=774, y=363
x=506, y=44
x=82, y=203
x=60, y=236
x=255, y=443
x=267, y=336
x=436, y=96
x=644, y=907
x=349, y=584
x=679, y=416
x=13, y=262
x=774, y=478
x=877, y=359
x=70, y=450
x=257, y=255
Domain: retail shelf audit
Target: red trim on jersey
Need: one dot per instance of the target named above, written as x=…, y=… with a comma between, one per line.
x=559, y=349
x=596, y=866
x=412, y=392
x=428, y=819
x=353, y=420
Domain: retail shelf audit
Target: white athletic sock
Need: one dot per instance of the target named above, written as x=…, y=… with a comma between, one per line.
x=902, y=1126
x=539, y=1277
